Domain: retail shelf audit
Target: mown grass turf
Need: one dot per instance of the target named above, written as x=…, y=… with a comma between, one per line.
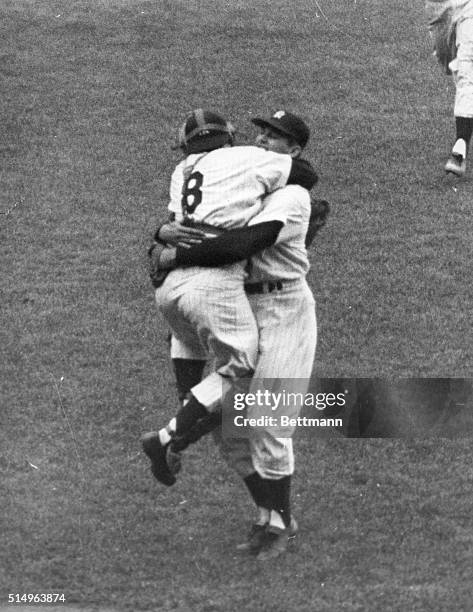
x=384, y=525
x=91, y=96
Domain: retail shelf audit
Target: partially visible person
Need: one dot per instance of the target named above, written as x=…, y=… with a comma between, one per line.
x=451, y=28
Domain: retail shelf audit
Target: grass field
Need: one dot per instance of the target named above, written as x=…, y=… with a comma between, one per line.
x=91, y=95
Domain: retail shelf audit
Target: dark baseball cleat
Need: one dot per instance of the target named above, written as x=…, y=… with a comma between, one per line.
x=276, y=540
x=157, y=453
x=456, y=165
x=173, y=459
x=255, y=539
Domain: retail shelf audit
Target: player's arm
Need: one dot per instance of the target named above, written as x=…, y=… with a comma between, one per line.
x=284, y=208
x=231, y=246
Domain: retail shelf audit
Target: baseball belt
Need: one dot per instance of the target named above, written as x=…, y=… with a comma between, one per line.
x=266, y=287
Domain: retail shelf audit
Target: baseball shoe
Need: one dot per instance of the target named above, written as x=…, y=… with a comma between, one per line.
x=276, y=540
x=157, y=453
x=173, y=459
x=255, y=539
x=456, y=165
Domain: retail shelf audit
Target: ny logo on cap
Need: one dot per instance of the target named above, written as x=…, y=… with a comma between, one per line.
x=279, y=114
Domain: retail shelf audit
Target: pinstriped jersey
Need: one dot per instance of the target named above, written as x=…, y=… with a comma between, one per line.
x=225, y=187
x=287, y=258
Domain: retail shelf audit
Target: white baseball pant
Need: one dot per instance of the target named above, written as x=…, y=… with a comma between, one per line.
x=462, y=69
x=287, y=329
x=209, y=315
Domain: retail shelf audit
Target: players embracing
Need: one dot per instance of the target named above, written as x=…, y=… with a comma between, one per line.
x=285, y=333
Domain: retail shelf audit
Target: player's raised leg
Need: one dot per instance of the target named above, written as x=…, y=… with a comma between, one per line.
x=213, y=313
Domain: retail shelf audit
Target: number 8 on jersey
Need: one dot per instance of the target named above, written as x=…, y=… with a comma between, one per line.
x=191, y=193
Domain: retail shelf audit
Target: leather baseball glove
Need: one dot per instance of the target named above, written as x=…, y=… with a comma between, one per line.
x=319, y=213
x=156, y=273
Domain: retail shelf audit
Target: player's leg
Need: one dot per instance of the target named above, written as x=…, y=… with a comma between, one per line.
x=288, y=336
x=209, y=397
x=188, y=373
x=267, y=463
x=236, y=453
x=214, y=309
x=225, y=325
x=188, y=358
x=157, y=445
x=164, y=447
x=463, y=109
x=275, y=476
x=188, y=364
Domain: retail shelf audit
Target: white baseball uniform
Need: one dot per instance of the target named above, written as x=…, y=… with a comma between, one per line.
x=461, y=12
x=462, y=65
x=207, y=309
x=284, y=308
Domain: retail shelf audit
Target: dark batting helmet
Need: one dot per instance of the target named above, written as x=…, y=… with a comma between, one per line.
x=205, y=130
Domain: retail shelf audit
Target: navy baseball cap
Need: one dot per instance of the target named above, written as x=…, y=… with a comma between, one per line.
x=288, y=124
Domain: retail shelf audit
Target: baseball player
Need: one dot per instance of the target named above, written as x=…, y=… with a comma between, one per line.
x=216, y=186
x=451, y=28
x=285, y=314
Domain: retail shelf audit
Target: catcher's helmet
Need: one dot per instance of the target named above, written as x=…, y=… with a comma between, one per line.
x=205, y=130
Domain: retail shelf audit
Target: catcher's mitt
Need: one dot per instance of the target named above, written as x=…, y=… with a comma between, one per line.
x=156, y=273
x=320, y=210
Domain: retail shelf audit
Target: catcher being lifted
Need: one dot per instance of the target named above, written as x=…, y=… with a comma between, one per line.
x=243, y=243
x=274, y=245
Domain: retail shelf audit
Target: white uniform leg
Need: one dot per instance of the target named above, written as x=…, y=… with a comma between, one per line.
x=235, y=452
x=463, y=69
x=190, y=350
x=209, y=313
x=287, y=341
